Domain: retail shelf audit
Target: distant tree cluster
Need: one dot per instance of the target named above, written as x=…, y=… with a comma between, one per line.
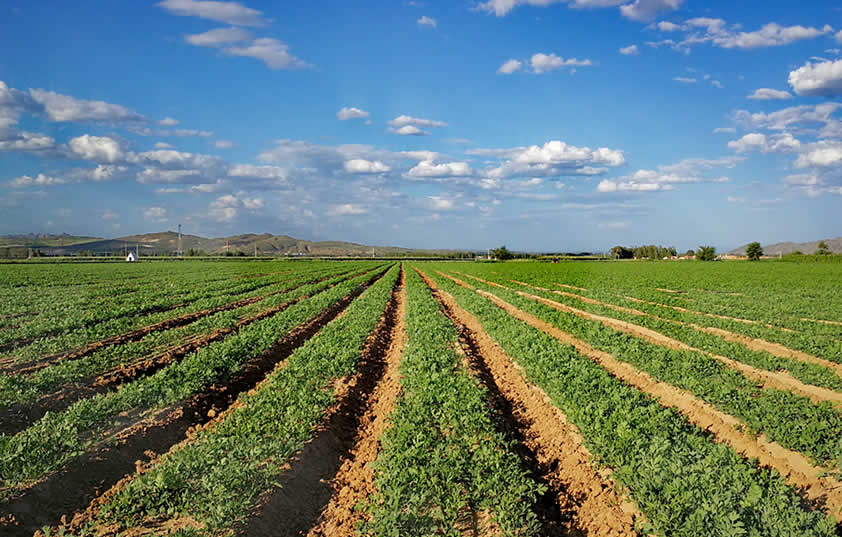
x=649, y=251
x=823, y=249
x=754, y=251
x=502, y=253
x=706, y=253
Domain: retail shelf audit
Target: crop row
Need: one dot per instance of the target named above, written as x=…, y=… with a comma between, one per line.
x=685, y=484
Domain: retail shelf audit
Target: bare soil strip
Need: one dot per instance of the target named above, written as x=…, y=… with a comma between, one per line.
x=9, y=366
x=326, y=479
x=73, y=488
x=823, y=321
x=354, y=482
x=579, y=499
x=754, y=344
x=16, y=418
x=821, y=491
x=571, y=287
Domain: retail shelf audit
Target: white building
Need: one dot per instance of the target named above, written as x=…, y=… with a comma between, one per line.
x=131, y=258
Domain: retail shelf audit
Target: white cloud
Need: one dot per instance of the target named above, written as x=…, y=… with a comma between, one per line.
x=218, y=37
x=175, y=159
x=687, y=171
x=163, y=145
x=544, y=63
x=790, y=118
x=427, y=21
x=666, y=26
x=110, y=215
x=96, y=148
x=223, y=144
x=404, y=120
x=685, y=80
x=607, y=185
x=509, y=67
x=440, y=203
x=346, y=209
x=351, y=113
x=420, y=155
x=778, y=143
x=770, y=35
x=645, y=10
x=168, y=122
x=554, y=158
x=155, y=214
x=39, y=180
x=105, y=172
x=767, y=94
x=25, y=141
x=729, y=130
x=817, y=80
x=272, y=52
x=158, y=176
x=229, y=12
x=63, y=108
x=427, y=168
x=365, y=166
x=630, y=50
x=716, y=84
x=825, y=153
x=409, y=130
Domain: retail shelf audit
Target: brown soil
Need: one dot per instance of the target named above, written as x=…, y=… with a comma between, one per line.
x=9, y=365
x=823, y=321
x=354, y=482
x=821, y=491
x=580, y=499
x=16, y=418
x=570, y=287
x=45, y=502
x=673, y=291
x=324, y=481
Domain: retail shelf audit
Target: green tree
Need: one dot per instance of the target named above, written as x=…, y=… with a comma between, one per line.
x=823, y=249
x=754, y=251
x=621, y=252
x=706, y=253
x=502, y=253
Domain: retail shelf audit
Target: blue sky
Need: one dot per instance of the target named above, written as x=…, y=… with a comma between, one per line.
x=539, y=124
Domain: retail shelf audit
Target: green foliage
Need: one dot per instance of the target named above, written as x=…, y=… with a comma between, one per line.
x=652, y=251
x=706, y=253
x=621, y=252
x=502, y=254
x=754, y=251
x=443, y=456
x=823, y=249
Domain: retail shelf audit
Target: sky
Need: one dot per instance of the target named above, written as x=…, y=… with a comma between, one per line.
x=544, y=125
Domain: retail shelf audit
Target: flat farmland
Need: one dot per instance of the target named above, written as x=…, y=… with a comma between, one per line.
x=421, y=398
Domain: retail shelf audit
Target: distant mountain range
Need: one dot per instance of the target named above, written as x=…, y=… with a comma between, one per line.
x=783, y=248
x=167, y=243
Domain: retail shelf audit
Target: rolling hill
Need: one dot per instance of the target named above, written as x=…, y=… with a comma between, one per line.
x=783, y=248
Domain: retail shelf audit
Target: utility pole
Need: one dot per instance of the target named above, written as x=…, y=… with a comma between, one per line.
x=255, y=250
x=180, y=249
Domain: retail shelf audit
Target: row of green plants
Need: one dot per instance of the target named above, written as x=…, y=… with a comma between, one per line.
x=27, y=388
x=809, y=373
x=79, y=337
x=443, y=457
x=60, y=437
x=792, y=420
x=685, y=484
x=101, y=319
x=218, y=476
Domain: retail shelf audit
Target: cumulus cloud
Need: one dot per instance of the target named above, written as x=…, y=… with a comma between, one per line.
x=96, y=148
x=509, y=67
x=228, y=12
x=427, y=21
x=346, y=209
x=822, y=79
x=272, y=52
x=226, y=208
x=365, y=166
x=351, y=113
x=172, y=159
x=729, y=130
x=168, y=122
x=767, y=94
x=554, y=158
x=645, y=10
x=795, y=117
x=42, y=180
x=218, y=37
x=630, y=50
x=155, y=214
x=718, y=33
x=685, y=80
x=23, y=141
x=162, y=145
x=666, y=177
x=408, y=130
x=428, y=168
x=778, y=143
x=440, y=203
x=544, y=63
x=63, y=108
x=158, y=176
x=223, y=144
x=824, y=153
x=405, y=120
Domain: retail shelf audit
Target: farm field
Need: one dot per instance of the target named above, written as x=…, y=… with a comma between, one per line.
x=421, y=398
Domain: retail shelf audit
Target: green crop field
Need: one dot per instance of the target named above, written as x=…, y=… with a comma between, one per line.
x=329, y=398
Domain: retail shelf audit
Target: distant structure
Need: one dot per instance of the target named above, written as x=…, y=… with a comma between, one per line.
x=131, y=258
x=180, y=249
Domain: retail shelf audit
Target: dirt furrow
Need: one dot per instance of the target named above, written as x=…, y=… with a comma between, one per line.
x=580, y=499
x=77, y=485
x=324, y=481
x=16, y=418
x=9, y=366
x=354, y=482
x=777, y=380
x=821, y=491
